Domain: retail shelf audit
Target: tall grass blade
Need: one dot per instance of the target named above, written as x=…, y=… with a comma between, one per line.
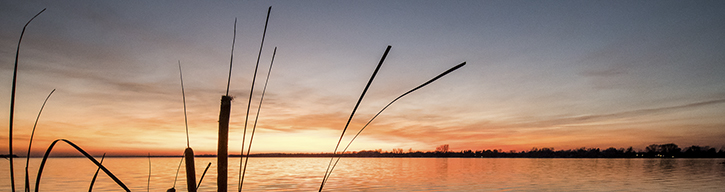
x=251, y=92
x=183, y=97
x=148, y=182
x=251, y=138
x=12, y=104
x=386, y=106
x=173, y=188
x=188, y=152
x=93, y=181
x=50, y=148
x=223, y=139
x=30, y=143
x=231, y=60
x=353, y=114
x=202, y=176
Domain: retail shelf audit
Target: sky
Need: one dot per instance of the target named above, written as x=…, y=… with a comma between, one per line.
x=558, y=74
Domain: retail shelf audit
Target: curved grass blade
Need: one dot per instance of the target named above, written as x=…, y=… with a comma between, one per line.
x=388, y=105
x=322, y=184
x=93, y=181
x=50, y=148
x=30, y=143
x=173, y=188
x=251, y=138
x=202, y=176
x=251, y=92
x=12, y=104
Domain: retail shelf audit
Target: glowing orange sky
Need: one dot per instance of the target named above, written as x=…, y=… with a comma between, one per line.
x=539, y=74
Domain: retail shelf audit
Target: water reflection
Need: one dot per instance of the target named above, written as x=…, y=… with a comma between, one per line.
x=403, y=174
x=441, y=169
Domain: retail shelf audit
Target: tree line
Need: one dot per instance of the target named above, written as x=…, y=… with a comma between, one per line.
x=669, y=150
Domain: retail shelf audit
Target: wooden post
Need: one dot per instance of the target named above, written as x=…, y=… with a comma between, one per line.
x=222, y=147
x=190, y=170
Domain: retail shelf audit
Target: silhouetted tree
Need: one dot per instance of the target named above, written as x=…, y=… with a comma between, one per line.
x=698, y=151
x=670, y=149
x=442, y=148
x=652, y=149
x=610, y=152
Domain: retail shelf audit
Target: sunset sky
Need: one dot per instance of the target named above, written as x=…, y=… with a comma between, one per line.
x=561, y=74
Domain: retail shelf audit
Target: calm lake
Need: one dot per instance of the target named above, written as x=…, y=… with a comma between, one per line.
x=389, y=174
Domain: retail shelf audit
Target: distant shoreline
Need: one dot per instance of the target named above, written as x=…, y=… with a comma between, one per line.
x=670, y=150
x=356, y=156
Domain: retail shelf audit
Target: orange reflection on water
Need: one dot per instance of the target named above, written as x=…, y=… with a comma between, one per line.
x=396, y=174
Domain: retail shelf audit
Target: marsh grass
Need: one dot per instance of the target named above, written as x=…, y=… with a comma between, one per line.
x=328, y=171
x=183, y=97
x=190, y=169
x=12, y=104
x=249, y=103
x=224, y=116
x=231, y=60
x=202, y=176
x=30, y=143
x=93, y=181
x=256, y=118
x=173, y=188
x=223, y=139
x=148, y=181
x=386, y=106
x=188, y=152
x=50, y=148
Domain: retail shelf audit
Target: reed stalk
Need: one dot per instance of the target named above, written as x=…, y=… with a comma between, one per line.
x=50, y=148
x=12, y=104
x=188, y=152
x=202, y=176
x=183, y=97
x=93, y=181
x=388, y=105
x=30, y=143
x=251, y=92
x=173, y=188
x=256, y=118
x=148, y=182
x=190, y=170
x=223, y=139
x=334, y=153
x=231, y=60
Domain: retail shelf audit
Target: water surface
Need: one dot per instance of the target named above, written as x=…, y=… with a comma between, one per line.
x=391, y=174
